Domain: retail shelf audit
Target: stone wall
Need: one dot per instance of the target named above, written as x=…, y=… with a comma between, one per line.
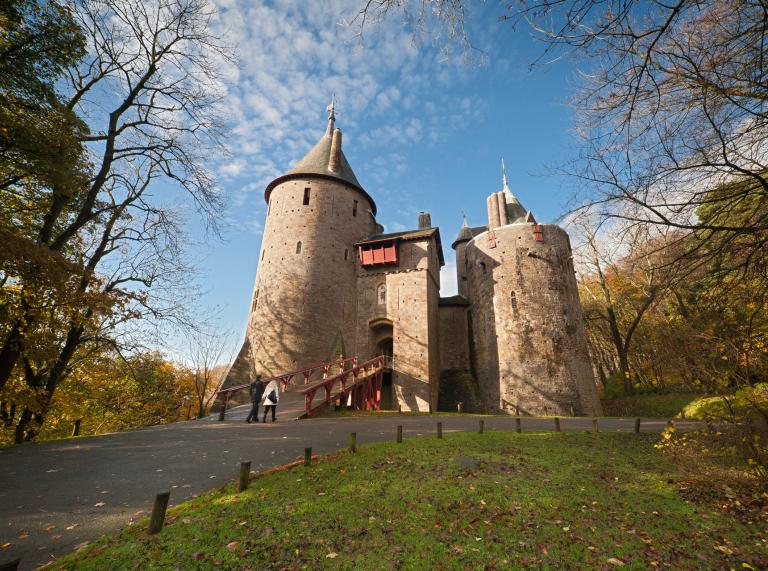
x=531, y=350
x=454, y=342
x=462, y=281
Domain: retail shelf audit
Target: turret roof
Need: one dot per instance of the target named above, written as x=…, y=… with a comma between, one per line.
x=316, y=161
x=467, y=233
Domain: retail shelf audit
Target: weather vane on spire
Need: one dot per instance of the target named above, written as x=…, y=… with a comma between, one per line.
x=331, y=117
x=504, y=174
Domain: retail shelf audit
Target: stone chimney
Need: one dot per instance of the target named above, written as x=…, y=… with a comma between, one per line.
x=334, y=161
x=493, y=212
x=425, y=220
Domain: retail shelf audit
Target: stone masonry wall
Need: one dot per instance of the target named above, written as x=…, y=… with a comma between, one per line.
x=527, y=320
x=454, y=345
x=462, y=281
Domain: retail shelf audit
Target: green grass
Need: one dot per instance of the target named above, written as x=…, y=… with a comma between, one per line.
x=649, y=406
x=687, y=405
x=537, y=500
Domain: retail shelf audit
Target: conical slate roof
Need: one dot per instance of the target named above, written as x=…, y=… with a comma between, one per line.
x=515, y=211
x=467, y=233
x=316, y=163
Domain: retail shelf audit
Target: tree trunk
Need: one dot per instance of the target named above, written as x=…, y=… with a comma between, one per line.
x=21, y=427
x=624, y=368
x=9, y=355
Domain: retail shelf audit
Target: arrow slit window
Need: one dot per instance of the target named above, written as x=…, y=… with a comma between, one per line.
x=381, y=294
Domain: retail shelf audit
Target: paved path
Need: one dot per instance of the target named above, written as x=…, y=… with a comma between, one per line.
x=56, y=495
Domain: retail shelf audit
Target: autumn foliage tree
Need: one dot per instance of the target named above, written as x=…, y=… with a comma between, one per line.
x=90, y=255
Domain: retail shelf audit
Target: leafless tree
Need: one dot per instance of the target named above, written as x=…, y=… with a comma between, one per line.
x=671, y=108
x=148, y=89
x=209, y=352
x=443, y=21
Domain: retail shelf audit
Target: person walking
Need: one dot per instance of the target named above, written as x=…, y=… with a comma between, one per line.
x=271, y=398
x=257, y=391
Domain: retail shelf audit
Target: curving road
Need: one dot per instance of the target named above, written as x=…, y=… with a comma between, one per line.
x=57, y=495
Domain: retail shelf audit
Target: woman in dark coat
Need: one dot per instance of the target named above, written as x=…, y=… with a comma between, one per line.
x=257, y=391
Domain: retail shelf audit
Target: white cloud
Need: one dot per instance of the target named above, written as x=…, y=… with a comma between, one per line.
x=448, y=285
x=293, y=55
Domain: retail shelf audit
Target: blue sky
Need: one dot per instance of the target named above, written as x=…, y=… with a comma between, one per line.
x=421, y=131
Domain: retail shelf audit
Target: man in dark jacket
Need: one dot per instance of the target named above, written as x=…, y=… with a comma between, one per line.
x=257, y=391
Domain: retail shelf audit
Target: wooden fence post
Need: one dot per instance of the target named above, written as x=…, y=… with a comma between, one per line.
x=399, y=409
x=308, y=456
x=637, y=426
x=439, y=429
x=557, y=424
x=76, y=428
x=399, y=433
x=518, y=428
x=245, y=474
x=353, y=441
x=595, y=428
x=11, y=565
x=157, y=519
x=481, y=428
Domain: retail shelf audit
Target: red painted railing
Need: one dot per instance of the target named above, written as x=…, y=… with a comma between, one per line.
x=286, y=378
x=359, y=387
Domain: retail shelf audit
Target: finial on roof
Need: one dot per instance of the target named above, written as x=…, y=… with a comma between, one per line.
x=331, y=116
x=504, y=174
x=464, y=224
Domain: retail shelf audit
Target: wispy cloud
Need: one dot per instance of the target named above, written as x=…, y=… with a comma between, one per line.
x=294, y=54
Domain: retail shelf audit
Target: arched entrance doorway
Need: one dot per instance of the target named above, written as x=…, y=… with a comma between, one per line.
x=383, y=344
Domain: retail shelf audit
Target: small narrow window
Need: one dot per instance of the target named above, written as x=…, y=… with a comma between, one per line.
x=482, y=266
x=255, y=300
x=354, y=208
x=346, y=254
x=514, y=301
x=381, y=294
x=306, y=196
x=298, y=247
x=262, y=255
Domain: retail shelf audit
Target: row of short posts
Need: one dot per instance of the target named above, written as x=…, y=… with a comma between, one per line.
x=160, y=505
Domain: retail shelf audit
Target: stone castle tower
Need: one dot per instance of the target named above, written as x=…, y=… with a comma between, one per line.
x=530, y=349
x=303, y=305
x=331, y=283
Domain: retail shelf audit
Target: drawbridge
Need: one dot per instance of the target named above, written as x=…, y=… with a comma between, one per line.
x=340, y=383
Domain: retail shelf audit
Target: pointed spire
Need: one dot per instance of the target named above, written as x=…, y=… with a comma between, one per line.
x=504, y=174
x=331, y=116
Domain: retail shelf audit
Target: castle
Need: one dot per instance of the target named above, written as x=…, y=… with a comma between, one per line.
x=330, y=282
